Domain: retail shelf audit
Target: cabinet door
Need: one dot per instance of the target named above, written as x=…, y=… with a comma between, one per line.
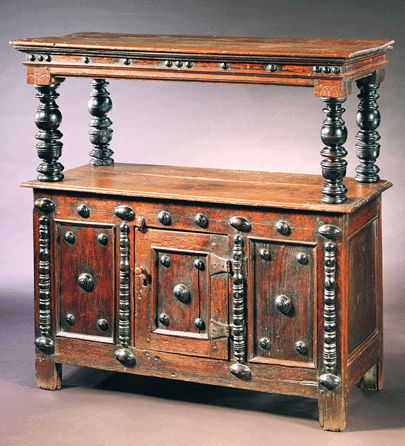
x=282, y=302
x=182, y=292
x=86, y=280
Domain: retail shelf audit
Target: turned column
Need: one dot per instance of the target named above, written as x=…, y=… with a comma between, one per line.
x=100, y=134
x=334, y=135
x=368, y=119
x=48, y=119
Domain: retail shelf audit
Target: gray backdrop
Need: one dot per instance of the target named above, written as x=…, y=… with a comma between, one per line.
x=191, y=124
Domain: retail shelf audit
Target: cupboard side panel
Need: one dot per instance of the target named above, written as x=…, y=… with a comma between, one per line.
x=365, y=270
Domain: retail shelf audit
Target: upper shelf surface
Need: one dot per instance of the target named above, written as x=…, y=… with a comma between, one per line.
x=248, y=188
x=211, y=45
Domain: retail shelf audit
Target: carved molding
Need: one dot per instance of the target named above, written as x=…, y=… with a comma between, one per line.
x=124, y=355
x=239, y=369
x=39, y=76
x=326, y=88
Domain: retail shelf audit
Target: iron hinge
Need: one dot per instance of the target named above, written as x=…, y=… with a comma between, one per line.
x=219, y=265
x=218, y=330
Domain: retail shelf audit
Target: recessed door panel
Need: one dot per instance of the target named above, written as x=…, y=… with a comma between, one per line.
x=182, y=289
x=282, y=298
x=86, y=280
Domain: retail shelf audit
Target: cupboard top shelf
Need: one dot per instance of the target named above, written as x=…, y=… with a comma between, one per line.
x=232, y=187
x=329, y=65
x=209, y=45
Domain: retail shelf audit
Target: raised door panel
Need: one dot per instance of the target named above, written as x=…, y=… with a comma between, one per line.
x=282, y=302
x=182, y=290
x=86, y=269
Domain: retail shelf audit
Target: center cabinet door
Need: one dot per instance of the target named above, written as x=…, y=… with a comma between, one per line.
x=182, y=292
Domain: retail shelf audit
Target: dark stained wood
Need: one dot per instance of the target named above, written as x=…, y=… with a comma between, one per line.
x=333, y=403
x=208, y=293
x=264, y=189
x=234, y=243
x=86, y=255
x=100, y=133
x=48, y=372
x=180, y=350
x=282, y=274
x=334, y=135
x=368, y=119
x=48, y=119
x=180, y=271
x=183, y=215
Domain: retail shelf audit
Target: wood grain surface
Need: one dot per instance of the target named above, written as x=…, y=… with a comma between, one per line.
x=213, y=45
x=277, y=190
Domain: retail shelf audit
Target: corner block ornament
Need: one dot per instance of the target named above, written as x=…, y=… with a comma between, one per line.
x=329, y=379
x=368, y=119
x=47, y=119
x=100, y=134
x=334, y=135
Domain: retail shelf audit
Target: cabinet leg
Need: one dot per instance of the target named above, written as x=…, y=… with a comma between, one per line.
x=373, y=379
x=332, y=410
x=48, y=372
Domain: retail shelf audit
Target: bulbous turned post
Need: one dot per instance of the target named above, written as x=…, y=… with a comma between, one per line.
x=48, y=119
x=334, y=135
x=368, y=119
x=100, y=134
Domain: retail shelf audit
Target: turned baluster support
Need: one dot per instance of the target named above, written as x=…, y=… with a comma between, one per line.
x=47, y=119
x=100, y=134
x=368, y=119
x=334, y=135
